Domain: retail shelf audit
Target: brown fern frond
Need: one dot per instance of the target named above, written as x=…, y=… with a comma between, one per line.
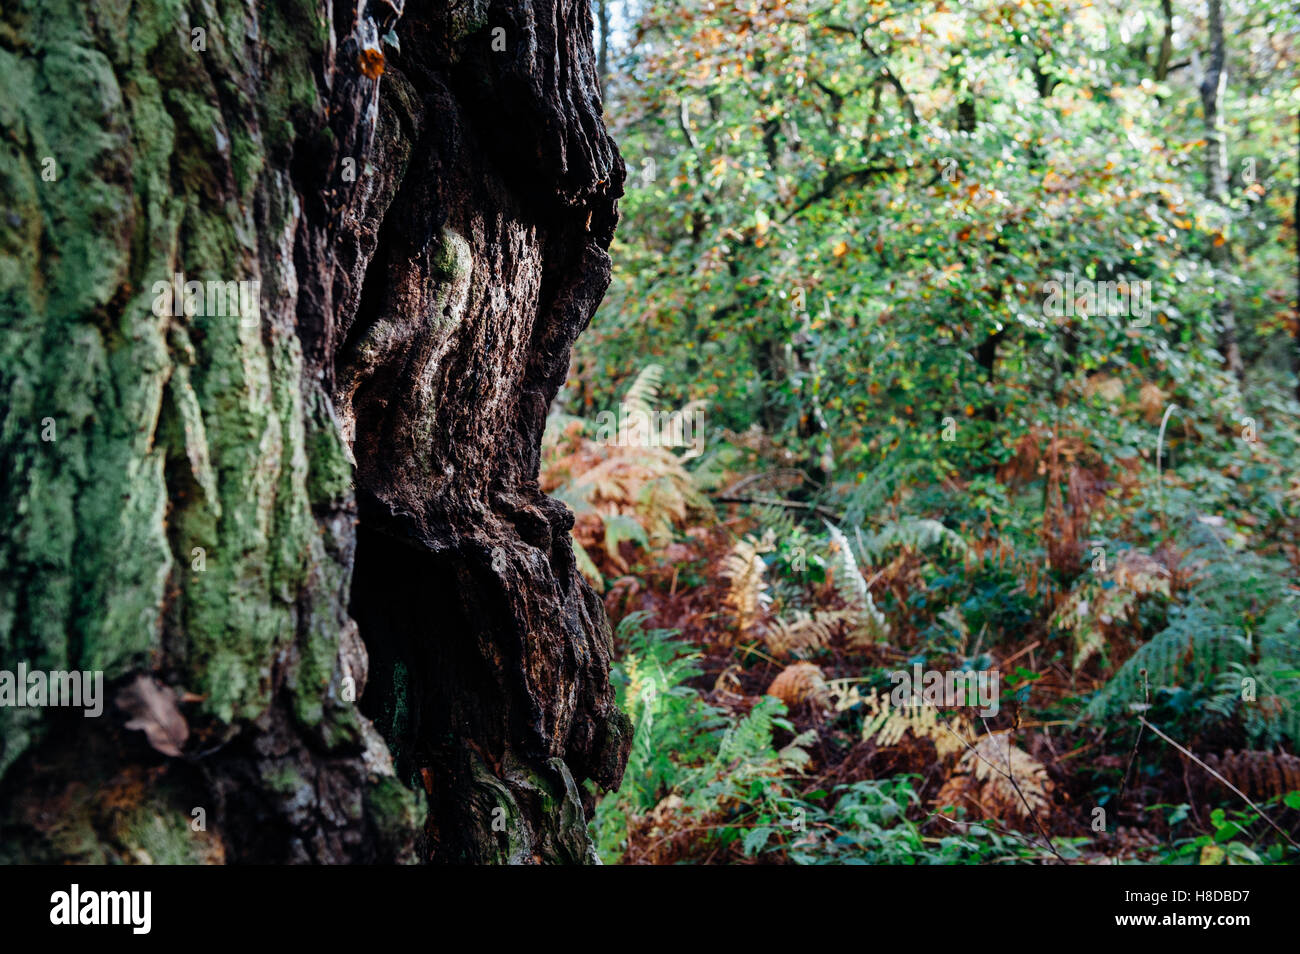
x=1261, y=775
x=742, y=569
x=1093, y=610
x=982, y=783
x=805, y=631
x=800, y=682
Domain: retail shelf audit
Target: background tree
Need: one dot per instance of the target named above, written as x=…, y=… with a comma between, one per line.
x=915, y=176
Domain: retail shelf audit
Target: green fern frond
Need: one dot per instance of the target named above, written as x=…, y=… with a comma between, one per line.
x=852, y=588
x=1240, y=620
x=643, y=394
x=872, y=494
x=912, y=533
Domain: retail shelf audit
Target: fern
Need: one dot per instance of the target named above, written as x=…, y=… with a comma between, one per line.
x=1240, y=619
x=743, y=570
x=886, y=725
x=805, y=631
x=585, y=564
x=643, y=394
x=852, y=589
x=672, y=724
x=750, y=739
x=779, y=522
x=872, y=494
x=911, y=533
x=1099, y=605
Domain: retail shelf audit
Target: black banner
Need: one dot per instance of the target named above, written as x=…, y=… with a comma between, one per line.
x=141, y=904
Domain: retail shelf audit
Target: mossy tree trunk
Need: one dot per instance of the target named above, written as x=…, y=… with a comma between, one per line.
x=311, y=531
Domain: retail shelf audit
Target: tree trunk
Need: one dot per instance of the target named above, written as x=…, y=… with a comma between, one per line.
x=1213, y=84
x=1166, y=54
x=602, y=55
x=305, y=544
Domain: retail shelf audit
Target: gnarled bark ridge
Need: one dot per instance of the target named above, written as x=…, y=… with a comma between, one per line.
x=313, y=534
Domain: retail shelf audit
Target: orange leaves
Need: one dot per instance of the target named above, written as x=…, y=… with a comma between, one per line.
x=371, y=62
x=1054, y=182
x=840, y=249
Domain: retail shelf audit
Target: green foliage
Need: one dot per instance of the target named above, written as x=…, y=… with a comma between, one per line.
x=853, y=589
x=1239, y=621
x=1237, y=837
x=911, y=533
x=831, y=214
x=840, y=226
x=735, y=782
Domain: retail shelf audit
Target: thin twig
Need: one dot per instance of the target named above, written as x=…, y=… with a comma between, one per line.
x=1010, y=775
x=1234, y=788
x=1146, y=695
x=1032, y=814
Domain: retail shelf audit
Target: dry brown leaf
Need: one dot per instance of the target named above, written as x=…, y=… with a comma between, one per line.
x=152, y=707
x=1152, y=401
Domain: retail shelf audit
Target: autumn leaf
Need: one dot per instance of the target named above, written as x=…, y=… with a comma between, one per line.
x=152, y=708
x=371, y=61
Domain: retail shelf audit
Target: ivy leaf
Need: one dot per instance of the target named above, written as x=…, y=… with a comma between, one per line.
x=756, y=839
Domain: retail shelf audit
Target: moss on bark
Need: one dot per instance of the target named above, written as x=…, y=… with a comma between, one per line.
x=178, y=489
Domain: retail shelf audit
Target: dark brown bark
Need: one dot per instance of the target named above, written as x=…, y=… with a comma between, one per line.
x=430, y=225
x=1166, y=52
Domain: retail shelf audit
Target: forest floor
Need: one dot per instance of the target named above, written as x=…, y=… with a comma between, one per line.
x=759, y=659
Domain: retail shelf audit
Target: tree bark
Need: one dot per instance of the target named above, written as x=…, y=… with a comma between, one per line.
x=337, y=619
x=1213, y=84
x=602, y=54
x=1166, y=53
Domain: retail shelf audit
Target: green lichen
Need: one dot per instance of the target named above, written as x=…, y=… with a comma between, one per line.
x=502, y=831
x=172, y=433
x=396, y=814
x=331, y=465
x=468, y=18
